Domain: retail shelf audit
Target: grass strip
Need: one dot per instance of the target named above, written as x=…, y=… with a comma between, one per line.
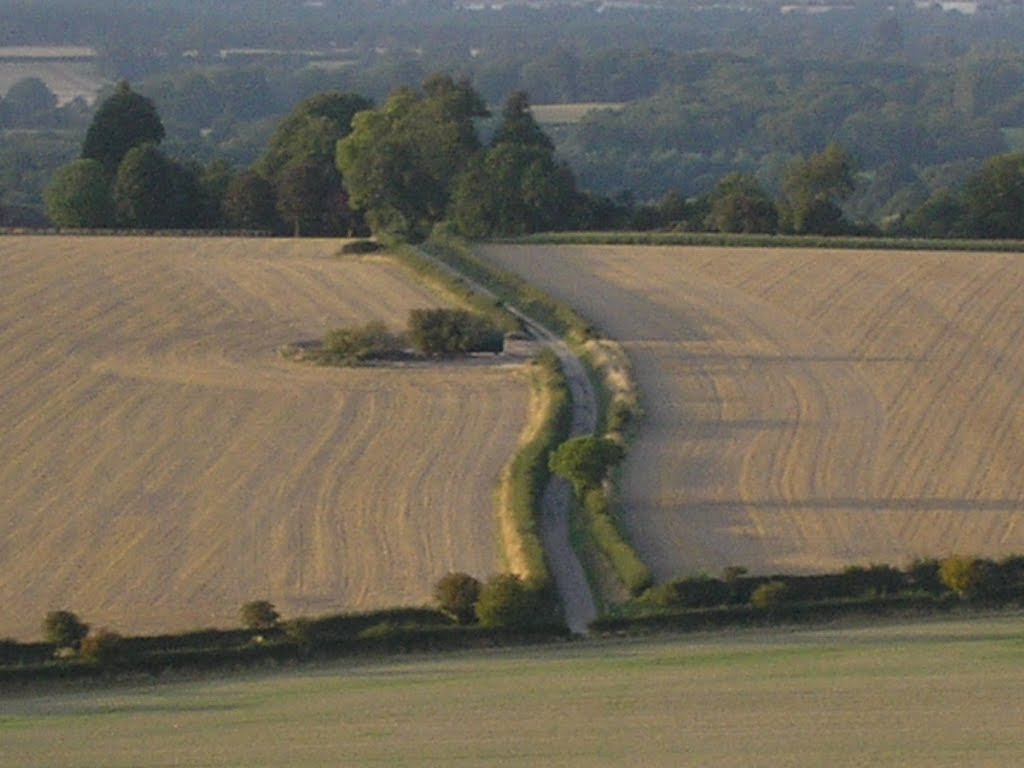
x=767, y=241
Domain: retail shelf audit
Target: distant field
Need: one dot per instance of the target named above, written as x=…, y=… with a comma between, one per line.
x=67, y=79
x=937, y=695
x=809, y=409
x=161, y=464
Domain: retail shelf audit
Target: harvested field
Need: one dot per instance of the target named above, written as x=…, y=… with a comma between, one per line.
x=810, y=409
x=935, y=695
x=67, y=79
x=161, y=464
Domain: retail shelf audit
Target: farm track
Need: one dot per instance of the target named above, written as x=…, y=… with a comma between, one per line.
x=162, y=464
x=806, y=410
x=567, y=572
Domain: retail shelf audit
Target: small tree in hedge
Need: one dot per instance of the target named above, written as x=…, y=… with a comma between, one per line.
x=456, y=594
x=100, y=646
x=769, y=595
x=585, y=461
x=506, y=602
x=259, y=614
x=63, y=629
x=364, y=342
x=963, y=575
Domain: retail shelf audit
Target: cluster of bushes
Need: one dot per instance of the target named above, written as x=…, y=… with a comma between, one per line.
x=430, y=333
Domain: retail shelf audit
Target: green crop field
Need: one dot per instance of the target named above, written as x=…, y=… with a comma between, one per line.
x=924, y=694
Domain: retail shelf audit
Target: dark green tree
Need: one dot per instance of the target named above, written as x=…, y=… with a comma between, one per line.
x=401, y=160
x=123, y=121
x=250, y=203
x=518, y=125
x=813, y=190
x=739, y=204
x=152, y=191
x=310, y=199
x=585, y=461
x=79, y=196
x=63, y=629
x=259, y=614
x=994, y=198
x=28, y=102
x=456, y=594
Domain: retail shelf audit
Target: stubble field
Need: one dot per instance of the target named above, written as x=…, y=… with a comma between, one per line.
x=161, y=464
x=810, y=409
x=931, y=695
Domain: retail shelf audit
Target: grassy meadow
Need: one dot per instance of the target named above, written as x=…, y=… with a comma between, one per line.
x=162, y=463
x=807, y=409
x=922, y=695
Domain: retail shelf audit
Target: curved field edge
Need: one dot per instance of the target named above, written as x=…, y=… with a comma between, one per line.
x=842, y=697
x=809, y=410
x=620, y=408
x=162, y=464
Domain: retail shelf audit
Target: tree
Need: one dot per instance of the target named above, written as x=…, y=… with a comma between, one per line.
x=401, y=160
x=101, y=646
x=310, y=199
x=456, y=594
x=445, y=332
x=769, y=595
x=28, y=102
x=585, y=461
x=63, y=629
x=967, y=576
x=250, y=202
x=151, y=191
x=739, y=204
x=79, y=196
x=506, y=602
x=123, y=121
x=259, y=614
x=813, y=189
x=994, y=198
x=518, y=125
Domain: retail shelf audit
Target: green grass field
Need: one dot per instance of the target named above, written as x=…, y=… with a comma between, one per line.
x=926, y=694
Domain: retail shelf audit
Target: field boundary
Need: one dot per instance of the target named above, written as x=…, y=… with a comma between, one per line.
x=765, y=241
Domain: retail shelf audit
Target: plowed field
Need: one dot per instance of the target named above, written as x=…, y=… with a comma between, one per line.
x=810, y=409
x=161, y=464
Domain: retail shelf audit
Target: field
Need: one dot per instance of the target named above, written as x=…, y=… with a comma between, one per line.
x=810, y=409
x=161, y=463
x=67, y=78
x=917, y=696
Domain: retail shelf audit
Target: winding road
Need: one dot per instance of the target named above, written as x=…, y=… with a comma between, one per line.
x=570, y=579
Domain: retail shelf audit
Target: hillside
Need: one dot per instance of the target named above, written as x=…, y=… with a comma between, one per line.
x=806, y=410
x=162, y=464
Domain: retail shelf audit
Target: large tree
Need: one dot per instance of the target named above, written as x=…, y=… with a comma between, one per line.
x=124, y=120
x=250, y=202
x=152, y=191
x=739, y=204
x=814, y=188
x=79, y=196
x=517, y=186
x=994, y=198
x=400, y=161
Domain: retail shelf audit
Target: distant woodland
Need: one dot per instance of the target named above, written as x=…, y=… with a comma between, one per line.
x=918, y=100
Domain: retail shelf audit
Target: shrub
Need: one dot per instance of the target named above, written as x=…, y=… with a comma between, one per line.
x=101, y=646
x=259, y=614
x=585, y=461
x=447, y=332
x=631, y=570
x=361, y=246
x=364, y=342
x=506, y=602
x=456, y=595
x=769, y=595
x=300, y=631
x=63, y=629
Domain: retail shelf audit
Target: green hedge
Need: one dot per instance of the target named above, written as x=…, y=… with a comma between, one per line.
x=631, y=570
x=529, y=473
x=767, y=241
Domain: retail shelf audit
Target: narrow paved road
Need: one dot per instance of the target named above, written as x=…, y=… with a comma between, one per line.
x=566, y=570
